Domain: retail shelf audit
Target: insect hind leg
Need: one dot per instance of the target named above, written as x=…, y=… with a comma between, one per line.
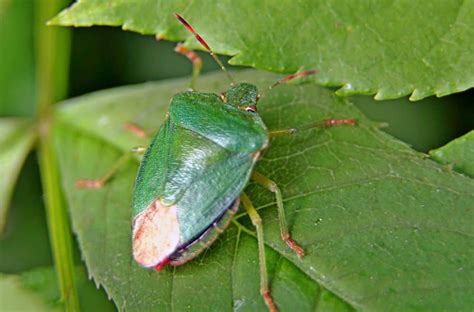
x=257, y=222
x=285, y=234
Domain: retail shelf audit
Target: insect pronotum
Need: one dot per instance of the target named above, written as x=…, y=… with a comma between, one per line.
x=191, y=179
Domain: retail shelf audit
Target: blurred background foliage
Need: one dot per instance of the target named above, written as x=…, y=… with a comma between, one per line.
x=105, y=57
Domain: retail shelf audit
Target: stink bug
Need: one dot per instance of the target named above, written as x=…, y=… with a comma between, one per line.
x=191, y=179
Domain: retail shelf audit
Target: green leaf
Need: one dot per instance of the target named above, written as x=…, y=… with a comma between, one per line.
x=17, y=72
x=424, y=126
x=16, y=297
x=16, y=139
x=37, y=290
x=43, y=281
x=25, y=225
x=383, y=227
x=387, y=48
x=458, y=153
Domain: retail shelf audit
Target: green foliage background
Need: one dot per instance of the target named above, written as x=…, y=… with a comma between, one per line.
x=107, y=57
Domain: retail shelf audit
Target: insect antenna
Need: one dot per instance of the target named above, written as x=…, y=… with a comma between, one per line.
x=294, y=76
x=291, y=77
x=205, y=45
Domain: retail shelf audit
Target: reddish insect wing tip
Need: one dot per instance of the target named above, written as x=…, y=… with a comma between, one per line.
x=162, y=264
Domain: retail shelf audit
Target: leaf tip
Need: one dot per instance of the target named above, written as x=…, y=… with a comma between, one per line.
x=346, y=89
x=417, y=95
x=53, y=22
x=382, y=125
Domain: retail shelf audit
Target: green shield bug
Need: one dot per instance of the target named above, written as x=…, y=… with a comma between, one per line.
x=193, y=174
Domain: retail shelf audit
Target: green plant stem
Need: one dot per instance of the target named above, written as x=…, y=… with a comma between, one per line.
x=52, y=50
x=58, y=223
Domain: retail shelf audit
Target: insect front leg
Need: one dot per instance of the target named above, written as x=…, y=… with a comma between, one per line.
x=285, y=234
x=100, y=182
x=257, y=222
x=322, y=124
x=195, y=60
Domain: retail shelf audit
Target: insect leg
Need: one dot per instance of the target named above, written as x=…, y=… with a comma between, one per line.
x=294, y=76
x=285, y=234
x=322, y=124
x=137, y=130
x=195, y=60
x=257, y=222
x=100, y=182
x=289, y=78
